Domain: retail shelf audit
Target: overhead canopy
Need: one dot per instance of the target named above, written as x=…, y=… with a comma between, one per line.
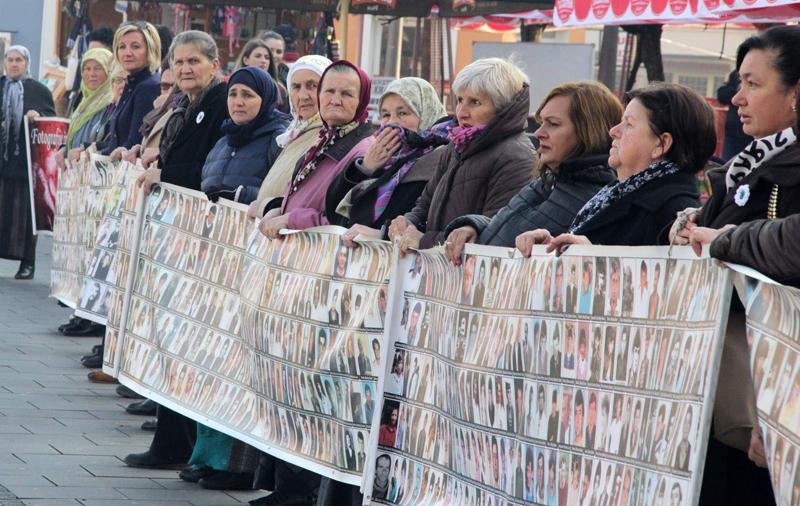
x=629, y=12
x=294, y=5
x=447, y=8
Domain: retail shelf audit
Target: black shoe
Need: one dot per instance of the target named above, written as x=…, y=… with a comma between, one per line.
x=92, y=361
x=62, y=304
x=150, y=425
x=279, y=498
x=145, y=408
x=225, y=480
x=89, y=329
x=126, y=392
x=73, y=322
x=26, y=270
x=147, y=459
x=193, y=474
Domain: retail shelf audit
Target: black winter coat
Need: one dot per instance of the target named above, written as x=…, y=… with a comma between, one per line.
x=227, y=168
x=36, y=97
x=644, y=217
x=543, y=204
x=136, y=101
x=402, y=200
x=184, y=161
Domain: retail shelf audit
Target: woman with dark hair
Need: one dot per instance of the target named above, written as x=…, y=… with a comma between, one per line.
x=761, y=182
x=21, y=96
x=666, y=136
x=256, y=53
x=573, y=156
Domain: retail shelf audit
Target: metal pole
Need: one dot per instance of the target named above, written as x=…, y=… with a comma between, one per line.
x=344, y=22
x=450, y=64
x=399, y=48
x=607, y=67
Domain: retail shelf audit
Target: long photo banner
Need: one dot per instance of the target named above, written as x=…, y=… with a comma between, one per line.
x=773, y=334
x=275, y=342
x=588, y=377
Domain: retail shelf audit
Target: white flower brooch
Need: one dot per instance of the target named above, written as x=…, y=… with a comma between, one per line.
x=742, y=195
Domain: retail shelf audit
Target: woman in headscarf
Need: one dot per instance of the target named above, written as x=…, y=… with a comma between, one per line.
x=300, y=136
x=256, y=53
x=343, y=96
x=137, y=48
x=89, y=118
x=218, y=461
x=386, y=182
x=21, y=96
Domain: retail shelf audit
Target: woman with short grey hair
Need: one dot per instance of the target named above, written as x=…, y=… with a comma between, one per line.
x=489, y=158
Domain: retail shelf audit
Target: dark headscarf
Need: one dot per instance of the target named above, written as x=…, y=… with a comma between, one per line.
x=262, y=84
x=363, y=97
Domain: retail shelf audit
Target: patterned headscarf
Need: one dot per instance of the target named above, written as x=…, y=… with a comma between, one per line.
x=317, y=64
x=92, y=102
x=420, y=97
x=13, y=95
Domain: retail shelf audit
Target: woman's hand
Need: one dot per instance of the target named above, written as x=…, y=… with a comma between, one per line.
x=397, y=227
x=31, y=115
x=699, y=236
x=60, y=156
x=386, y=144
x=117, y=154
x=255, y=209
x=560, y=243
x=756, y=451
x=150, y=177
x=149, y=156
x=272, y=226
x=349, y=237
x=132, y=154
x=454, y=246
x=526, y=240
x=74, y=154
x=409, y=239
x=685, y=221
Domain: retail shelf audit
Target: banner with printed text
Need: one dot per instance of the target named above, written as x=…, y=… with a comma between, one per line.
x=584, y=379
x=45, y=136
x=773, y=333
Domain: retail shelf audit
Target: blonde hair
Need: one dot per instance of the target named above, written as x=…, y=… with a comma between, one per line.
x=498, y=78
x=151, y=39
x=593, y=110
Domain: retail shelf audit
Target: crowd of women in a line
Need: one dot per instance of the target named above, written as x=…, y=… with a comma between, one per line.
x=603, y=173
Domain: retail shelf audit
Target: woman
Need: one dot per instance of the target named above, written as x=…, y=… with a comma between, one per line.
x=343, y=96
x=91, y=115
x=256, y=53
x=218, y=461
x=21, y=96
x=137, y=48
x=574, y=141
x=656, y=155
x=250, y=135
x=301, y=135
x=193, y=129
x=488, y=161
x=760, y=182
x=387, y=181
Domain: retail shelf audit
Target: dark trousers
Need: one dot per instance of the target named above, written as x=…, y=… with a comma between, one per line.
x=731, y=478
x=29, y=254
x=175, y=435
x=279, y=476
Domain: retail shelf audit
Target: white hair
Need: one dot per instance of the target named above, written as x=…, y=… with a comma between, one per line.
x=498, y=78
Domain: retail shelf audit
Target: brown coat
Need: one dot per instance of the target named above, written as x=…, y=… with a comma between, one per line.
x=496, y=165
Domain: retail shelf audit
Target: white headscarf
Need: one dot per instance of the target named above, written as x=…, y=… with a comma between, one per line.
x=317, y=64
x=420, y=96
x=13, y=103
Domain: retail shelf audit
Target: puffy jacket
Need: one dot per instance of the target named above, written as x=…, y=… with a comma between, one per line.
x=227, y=168
x=543, y=203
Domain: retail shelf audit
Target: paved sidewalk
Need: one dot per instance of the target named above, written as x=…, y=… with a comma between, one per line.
x=62, y=438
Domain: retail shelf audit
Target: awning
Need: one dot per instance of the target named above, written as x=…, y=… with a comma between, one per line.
x=447, y=8
x=294, y=5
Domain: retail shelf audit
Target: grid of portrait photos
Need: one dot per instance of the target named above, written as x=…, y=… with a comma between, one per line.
x=314, y=327
x=124, y=235
x=577, y=379
x=105, y=265
x=773, y=327
x=67, y=269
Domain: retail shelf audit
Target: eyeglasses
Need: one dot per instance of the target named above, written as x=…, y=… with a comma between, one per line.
x=118, y=80
x=165, y=86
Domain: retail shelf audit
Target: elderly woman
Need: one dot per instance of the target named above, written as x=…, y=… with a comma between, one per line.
x=90, y=117
x=343, y=96
x=489, y=158
x=574, y=141
x=388, y=179
x=666, y=136
x=301, y=135
x=137, y=48
x=256, y=53
x=22, y=96
x=760, y=182
x=191, y=132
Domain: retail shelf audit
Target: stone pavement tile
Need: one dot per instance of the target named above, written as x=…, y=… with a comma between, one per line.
x=198, y=496
x=128, y=502
x=31, y=412
x=25, y=479
x=123, y=471
x=86, y=447
x=52, y=502
x=244, y=496
x=60, y=461
x=28, y=443
x=94, y=481
x=120, y=439
x=79, y=493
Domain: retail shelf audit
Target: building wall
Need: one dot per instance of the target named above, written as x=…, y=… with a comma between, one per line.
x=24, y=20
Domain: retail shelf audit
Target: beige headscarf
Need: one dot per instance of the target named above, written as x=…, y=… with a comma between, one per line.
x=421, y=98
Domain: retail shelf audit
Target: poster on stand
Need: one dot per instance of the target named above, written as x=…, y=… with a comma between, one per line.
x=45, y=136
